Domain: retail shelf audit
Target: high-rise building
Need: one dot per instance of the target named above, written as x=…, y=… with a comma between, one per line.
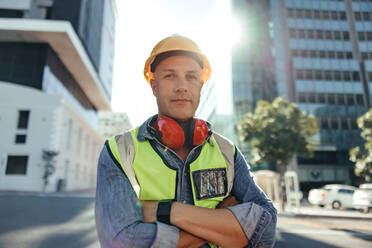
x=318, y=54
x=56, y=66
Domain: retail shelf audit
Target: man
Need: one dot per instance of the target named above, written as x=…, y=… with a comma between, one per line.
x=173, y=182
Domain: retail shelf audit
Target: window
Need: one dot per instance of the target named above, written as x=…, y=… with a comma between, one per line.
x=364, y=56
x=340, y=55
x=349, y=55
x=337, y=75
x=16, y=165
x=312, y=98
x=369, y=35
x=317, y=14
x=345, y=35
x=356, y=76
x=309, y=75
x=319, y=34
x=20, y=139
x=301, y=97
x=361, y=36
x=304, y=53
x=313, y=54
x=301, y=33
x=310, y=34
x=334, y=123
x=321, y=98
x=331, y=99
x=318, y=75
x=357, y=16
x=325, y=14
x=340, y=99
x=350, y=100
x=337, y=35
x=366, y=16
x=332, y=54
x=308, y=14
x=345, y=191
x=299, y=74
x=328, y=35
x=346, y=75
x=324, y=123
x=291, y=12
x=342, y=15
x=359, y=100
x=344, y=124
x=327, y=75
x=354, y=124
x=334, y=15
x=322, y=54
x=23, y=116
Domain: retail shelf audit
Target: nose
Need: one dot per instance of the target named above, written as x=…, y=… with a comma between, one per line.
x=181, y=84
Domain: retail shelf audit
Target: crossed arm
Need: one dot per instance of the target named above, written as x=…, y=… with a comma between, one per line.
x=199, y=224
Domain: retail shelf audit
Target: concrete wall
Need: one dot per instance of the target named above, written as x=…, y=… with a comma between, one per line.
x=48, y=128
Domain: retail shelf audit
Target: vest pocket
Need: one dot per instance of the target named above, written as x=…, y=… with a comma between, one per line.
x=209, y=183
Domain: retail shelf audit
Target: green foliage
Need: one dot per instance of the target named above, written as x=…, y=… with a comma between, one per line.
x=362, y=156
x=277, y=131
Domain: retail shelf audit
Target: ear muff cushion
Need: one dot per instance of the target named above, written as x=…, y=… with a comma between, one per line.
x=172, y=134
x=200, y=132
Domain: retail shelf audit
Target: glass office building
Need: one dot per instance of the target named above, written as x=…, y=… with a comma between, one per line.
x=315, y=53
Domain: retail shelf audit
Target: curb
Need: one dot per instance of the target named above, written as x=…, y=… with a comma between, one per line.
x=294, y=215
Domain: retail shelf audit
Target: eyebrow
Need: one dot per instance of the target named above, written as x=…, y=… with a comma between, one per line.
x=172, y=70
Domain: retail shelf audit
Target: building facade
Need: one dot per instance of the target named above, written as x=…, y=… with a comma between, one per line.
x=112, y=123
x=56, y=62
x=315, y=53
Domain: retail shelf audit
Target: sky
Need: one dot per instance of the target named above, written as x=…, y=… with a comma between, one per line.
x=143, y=23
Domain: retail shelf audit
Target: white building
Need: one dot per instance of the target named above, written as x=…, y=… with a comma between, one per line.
x=112, y=123
x=55, y=75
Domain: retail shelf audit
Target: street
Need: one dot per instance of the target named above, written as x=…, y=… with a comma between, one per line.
x=37, y=221
x=323, y=233
x=45, y=221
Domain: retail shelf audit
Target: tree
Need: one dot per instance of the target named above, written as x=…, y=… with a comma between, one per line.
x=362, y=156
x=49, y=166
x=277, y=131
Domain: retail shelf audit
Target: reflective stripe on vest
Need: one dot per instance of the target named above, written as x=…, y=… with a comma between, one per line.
x=158, y=182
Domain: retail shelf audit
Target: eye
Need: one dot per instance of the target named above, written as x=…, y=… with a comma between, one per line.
x=169, y=76
x=191, y=77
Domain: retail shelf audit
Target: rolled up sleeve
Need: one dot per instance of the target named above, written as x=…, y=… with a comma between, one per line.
x=256, y=213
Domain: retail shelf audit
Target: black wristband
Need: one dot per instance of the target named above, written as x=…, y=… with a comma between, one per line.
x=163, y=212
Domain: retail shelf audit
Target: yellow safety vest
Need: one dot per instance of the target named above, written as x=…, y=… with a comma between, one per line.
x=211, y=173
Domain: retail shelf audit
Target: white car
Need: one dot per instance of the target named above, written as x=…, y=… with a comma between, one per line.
x=336, y=195
x=362, y=198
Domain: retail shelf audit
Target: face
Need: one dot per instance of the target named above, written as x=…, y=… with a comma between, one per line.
x=177, y=87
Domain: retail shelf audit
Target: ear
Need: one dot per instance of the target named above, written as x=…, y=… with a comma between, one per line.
x=154, y=87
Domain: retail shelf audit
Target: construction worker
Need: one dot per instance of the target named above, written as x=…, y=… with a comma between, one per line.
x=173, y=182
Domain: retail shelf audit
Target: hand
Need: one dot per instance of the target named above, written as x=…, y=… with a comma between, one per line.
x=149, y=211
x=228, y=202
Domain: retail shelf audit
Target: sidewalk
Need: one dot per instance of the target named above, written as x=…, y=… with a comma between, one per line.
x=86, y=193
x=307, y=210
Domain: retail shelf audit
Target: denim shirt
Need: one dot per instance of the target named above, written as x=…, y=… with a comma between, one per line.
x=118, y=213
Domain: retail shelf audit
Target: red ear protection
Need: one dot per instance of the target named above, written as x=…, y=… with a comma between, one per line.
x=173, y=136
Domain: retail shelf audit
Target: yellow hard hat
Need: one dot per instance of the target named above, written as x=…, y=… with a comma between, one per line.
x=177, y=43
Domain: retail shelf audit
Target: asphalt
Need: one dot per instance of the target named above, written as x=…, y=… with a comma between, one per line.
x=307, y=210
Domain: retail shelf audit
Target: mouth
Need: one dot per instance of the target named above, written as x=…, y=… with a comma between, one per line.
x=180, y=100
